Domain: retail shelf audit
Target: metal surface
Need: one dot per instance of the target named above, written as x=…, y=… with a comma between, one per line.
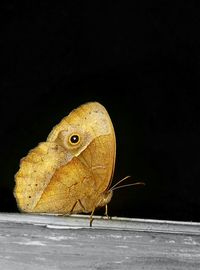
x=56, y=242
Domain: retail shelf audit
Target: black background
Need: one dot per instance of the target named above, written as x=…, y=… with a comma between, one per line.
x=141, y=62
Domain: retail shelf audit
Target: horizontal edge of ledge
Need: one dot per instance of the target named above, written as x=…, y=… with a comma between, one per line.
x=52, y=221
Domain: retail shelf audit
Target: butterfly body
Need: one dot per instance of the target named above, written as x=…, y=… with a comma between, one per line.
x=71, y=172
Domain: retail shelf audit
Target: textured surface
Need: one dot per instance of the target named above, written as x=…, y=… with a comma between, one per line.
x=53, y=242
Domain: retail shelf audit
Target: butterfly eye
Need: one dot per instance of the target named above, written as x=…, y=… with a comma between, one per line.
x=74, y=139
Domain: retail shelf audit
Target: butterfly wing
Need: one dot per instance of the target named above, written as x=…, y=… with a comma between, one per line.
x=57, y=177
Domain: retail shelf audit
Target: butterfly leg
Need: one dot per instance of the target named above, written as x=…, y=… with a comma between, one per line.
x=92, y=213
x=71, y=211
x=91, y=217
x=106, y=212
x=78, y=201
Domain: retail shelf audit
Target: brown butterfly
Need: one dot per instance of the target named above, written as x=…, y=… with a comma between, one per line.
x=72, y=171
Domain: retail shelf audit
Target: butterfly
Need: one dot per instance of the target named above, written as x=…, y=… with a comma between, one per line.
x=71, y=172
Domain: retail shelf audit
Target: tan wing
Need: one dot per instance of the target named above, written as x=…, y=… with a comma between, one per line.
x=58, y=178
x=35, y=173
x=77, y=186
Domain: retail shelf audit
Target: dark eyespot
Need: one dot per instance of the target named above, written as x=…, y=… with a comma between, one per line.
x=74, y=139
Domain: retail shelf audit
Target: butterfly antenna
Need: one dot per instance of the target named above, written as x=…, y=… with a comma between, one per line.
x=128, y=185
x=116, y=186
x=122, y=180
